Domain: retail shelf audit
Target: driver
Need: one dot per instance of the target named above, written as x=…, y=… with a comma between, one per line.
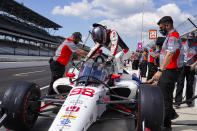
x=109, y=39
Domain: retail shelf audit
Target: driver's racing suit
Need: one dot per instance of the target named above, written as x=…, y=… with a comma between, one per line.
x=117, y=47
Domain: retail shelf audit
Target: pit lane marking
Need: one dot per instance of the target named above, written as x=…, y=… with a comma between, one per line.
x=44, y=87
x=26, y=73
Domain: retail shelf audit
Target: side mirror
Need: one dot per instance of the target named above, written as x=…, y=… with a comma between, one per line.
x=70, y=74
x=115, y=76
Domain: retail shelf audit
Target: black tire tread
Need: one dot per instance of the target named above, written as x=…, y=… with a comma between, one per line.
x=13, y=104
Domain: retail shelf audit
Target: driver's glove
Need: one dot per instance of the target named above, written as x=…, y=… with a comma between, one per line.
x=85, y=59
x=109, y=60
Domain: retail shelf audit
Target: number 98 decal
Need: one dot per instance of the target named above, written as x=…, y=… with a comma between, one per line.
x=87, y=92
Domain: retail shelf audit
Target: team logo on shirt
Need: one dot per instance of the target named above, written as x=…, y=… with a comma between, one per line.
x=171, y=40
x=114, y=33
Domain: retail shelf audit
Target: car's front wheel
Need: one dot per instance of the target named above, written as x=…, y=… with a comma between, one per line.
x=150, y=108
x=21, y=104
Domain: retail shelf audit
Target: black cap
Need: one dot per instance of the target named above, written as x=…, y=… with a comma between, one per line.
x=96, y=25
x=165, y=19
x=77, y=36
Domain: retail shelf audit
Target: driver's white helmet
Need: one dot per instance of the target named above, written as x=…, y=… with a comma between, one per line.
x=99, y=34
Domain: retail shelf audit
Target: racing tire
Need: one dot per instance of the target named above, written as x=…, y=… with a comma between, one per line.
x=21, y=103
x=150, y=108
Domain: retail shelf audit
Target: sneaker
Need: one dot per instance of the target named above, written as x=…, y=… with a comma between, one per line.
x=177, y=105
x=190, y=104
x=175, y=116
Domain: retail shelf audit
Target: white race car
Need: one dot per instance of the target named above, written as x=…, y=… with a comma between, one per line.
x=82, y=98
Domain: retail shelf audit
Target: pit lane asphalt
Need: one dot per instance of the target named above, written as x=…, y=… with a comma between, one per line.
x=43, y=124
x=41, y=76
x=38, y=74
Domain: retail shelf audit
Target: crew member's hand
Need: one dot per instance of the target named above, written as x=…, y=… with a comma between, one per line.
x=157, y=55
x=157, y=75
x=93, y=57
x=192, y=67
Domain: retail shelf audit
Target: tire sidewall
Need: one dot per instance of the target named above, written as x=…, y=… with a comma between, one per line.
x=150, y=107
x=14, y=104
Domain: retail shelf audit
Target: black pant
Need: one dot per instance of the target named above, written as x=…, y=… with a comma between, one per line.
x=152, y=69
x=135, y=64
x=185, y=72
x=143, y=68
x=57, y=71
x=167, y=85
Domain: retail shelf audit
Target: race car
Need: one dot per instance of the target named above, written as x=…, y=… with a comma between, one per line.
x=83, y=98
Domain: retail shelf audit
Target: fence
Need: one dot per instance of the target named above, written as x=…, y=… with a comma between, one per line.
x=189, y=25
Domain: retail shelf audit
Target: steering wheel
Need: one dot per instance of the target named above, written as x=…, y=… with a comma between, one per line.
x=99, y=57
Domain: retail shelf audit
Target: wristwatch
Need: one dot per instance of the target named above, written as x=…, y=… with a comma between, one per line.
x=160, y=70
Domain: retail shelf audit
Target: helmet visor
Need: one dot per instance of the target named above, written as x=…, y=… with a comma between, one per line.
x=99, y=35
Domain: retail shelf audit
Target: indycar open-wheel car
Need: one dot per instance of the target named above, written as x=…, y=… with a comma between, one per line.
x=91, y=92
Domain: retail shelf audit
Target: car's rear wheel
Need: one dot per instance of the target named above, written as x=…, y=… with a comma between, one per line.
x=150, y=108
x=21, y=103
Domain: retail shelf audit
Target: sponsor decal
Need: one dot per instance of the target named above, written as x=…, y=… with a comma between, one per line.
x=190, y=55
x=114, y=33
x=65, y=121
x=77, y=97
x=76, y=101
x=71, y=116
x=65, y=127
x=73, y=108
x=171, y=40
x=152, y=34
x=86, y=92
x=139, y=46
x=162, y=50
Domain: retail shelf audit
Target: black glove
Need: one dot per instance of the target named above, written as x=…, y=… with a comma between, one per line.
x=84, y=61
x=108, y=62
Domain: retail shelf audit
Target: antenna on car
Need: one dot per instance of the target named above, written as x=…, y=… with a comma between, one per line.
x=86, y=39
